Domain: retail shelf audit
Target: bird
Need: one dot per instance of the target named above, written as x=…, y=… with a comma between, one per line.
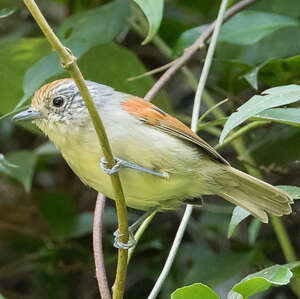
x=161, y=162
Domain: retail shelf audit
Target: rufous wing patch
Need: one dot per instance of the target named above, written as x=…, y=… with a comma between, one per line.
x=152, y=115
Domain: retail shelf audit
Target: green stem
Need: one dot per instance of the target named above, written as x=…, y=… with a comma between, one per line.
x=280, y=231
x=13, y=112
x=192, y=80
x=237, y=143
x=69, y=63
x=139, y=234
x=167, y=51
x=283, y=239
x=211, y=109
x=241, y=132
x=278, y=226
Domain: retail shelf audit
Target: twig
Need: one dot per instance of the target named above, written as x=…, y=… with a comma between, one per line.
x=196, y=110
x=151, y=72
x=241, y=132
x=167, y=51
x=279, y=229
x=19, y=229
x=283, y=239
x=189, y=52
x=98, y=249
x=69, y=63
x=172, y=253
x=140, y=232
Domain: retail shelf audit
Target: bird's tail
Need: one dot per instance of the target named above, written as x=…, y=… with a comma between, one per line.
x=253, y=195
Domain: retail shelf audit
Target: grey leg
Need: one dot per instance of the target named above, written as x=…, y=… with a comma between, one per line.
x=131, y=230
x=118, y=244
x=122, y=163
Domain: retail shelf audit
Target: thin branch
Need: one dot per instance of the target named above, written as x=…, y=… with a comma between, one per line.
x=151, y=72
x=196, y=110
x=172, y=253
x=241, y=132
x=207, y=65
x=283, y=239
x=19, y=229
x=69, y=63
x=279, y=229
x=139, y=233
x=198, y=44
x=211, y=109
x=98, y=249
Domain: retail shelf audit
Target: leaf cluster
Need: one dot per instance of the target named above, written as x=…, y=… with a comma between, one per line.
x=45, y=227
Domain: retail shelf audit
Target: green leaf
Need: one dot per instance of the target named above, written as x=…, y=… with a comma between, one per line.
x=267, y=147
x=119, y=64
x=16, y=56
x=83, y=225
x=25, y=162
x=296, y=271
x=219, y=267
x=95, y=26
x=8, y=7
x=6, y=165
x=292, y=191
x=253, y=230
x=248, y=27
x=81, y=32
x=289, y=116
x=252, y=75
x=257, y=282
x=238, y=215
x=275, y=72
x=59, y=211
x=281, y=71
x=48, y=148
x=270, y=98
x=186, y=39
x=195, y=291
x=153, y=10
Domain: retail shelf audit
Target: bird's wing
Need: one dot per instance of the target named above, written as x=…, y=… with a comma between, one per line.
x=153, y=116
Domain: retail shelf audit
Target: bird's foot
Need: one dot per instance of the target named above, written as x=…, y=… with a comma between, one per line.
x=132, y=229
x=114, y=169
x=118, y=244
x=122, y=163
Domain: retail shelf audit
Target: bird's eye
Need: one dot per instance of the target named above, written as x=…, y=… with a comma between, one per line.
x=58, y=101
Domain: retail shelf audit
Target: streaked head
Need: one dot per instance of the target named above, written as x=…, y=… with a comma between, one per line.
x=60, y=102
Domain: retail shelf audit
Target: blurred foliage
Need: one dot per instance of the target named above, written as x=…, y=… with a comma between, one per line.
x=46, y=213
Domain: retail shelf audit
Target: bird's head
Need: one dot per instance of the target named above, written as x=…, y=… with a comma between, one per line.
x=59, y=103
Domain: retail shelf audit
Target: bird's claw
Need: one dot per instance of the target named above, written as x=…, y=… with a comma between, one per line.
x=119, y=162
x=114, y=169
x=118, y=244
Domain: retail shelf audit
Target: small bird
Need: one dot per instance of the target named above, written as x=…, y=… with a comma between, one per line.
x=161, y=162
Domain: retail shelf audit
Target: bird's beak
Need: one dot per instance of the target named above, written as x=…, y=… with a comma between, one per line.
x=29, y=114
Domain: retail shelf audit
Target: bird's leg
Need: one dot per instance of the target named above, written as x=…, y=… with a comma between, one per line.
x=131, y=230
x=122, y=163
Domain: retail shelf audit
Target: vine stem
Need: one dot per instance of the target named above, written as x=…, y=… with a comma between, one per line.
x=98, y=248
x=196, y=111
x=241, y=132
x=198, y=44
x=68, y=62
x=284, y=240
x=139, y=233
x=238, y=142
x=172, y=253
